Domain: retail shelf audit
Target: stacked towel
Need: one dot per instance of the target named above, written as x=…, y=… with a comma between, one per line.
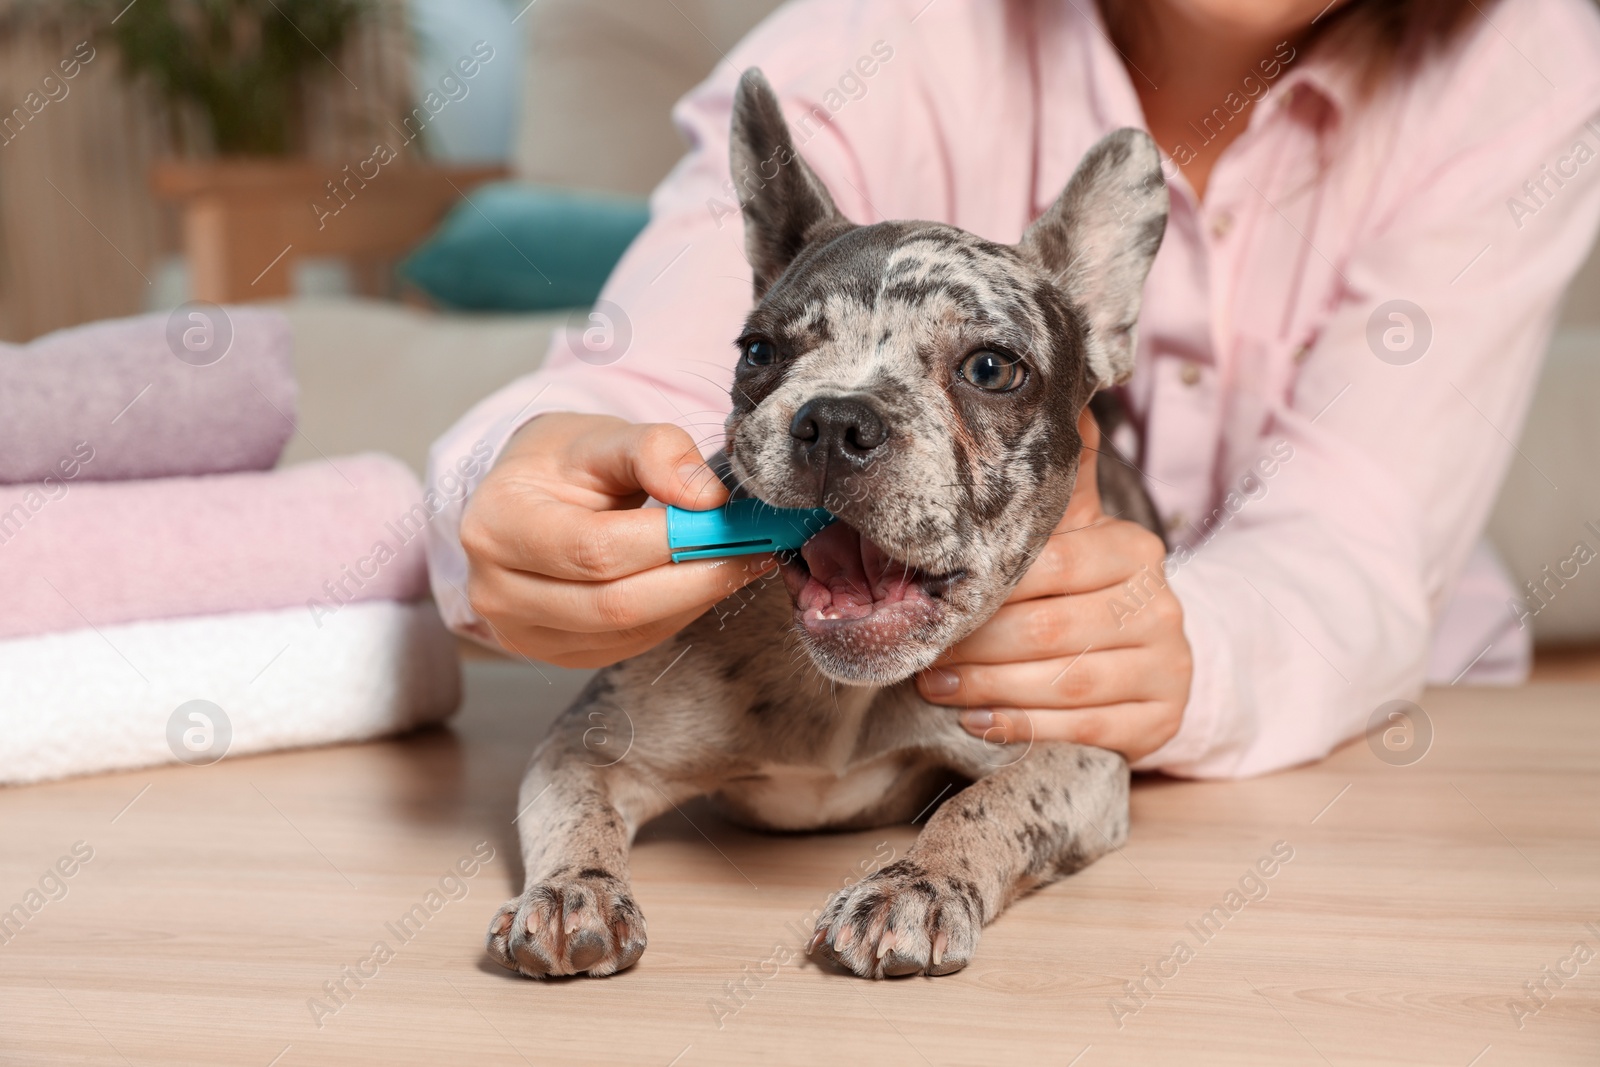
x=166, y=594
x=117, y=391
x=84, y=701
x=313, y=536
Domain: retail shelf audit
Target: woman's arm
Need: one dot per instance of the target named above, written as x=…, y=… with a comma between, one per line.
x=1315, y=604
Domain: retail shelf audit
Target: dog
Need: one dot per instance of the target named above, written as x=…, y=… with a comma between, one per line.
x=924, y=385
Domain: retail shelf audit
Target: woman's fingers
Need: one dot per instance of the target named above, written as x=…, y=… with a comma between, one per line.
x=563, y=562
x=628, y=603
x=1051, y=626
x=659, y=458
x=1082, y=559
x=1134, y=729
x=562, y=500
x=567, y=649
x=535, y=533
x=1094, y=677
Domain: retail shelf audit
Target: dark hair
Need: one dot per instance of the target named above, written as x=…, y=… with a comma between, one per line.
x=1386, y=38
x=1380, y=39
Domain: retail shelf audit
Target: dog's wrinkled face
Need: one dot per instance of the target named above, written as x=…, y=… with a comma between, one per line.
x=924, y=386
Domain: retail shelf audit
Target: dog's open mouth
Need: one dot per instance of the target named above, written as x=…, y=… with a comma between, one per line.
x=843, y=581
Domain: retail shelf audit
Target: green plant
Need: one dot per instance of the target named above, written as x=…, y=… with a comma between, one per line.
x=242, y=63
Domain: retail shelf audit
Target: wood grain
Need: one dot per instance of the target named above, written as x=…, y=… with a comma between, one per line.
x=219, y=900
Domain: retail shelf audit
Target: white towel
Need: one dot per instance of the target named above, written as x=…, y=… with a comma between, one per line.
x=91, y=700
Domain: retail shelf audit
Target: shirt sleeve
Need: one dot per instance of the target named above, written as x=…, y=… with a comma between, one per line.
x=1315, y=604
x=658, y=346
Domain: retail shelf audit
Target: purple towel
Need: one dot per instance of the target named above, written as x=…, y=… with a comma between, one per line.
x=150, y=397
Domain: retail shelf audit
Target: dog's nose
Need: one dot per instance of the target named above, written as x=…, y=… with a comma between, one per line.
x=845, y=426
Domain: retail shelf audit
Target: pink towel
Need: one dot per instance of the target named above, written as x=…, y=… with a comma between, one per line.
x=315, y=536
x=195, y=392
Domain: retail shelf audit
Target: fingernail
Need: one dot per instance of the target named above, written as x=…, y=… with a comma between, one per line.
x=977, y=721
x=936, y=681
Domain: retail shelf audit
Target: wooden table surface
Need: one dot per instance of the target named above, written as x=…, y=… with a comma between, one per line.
x=219, y=901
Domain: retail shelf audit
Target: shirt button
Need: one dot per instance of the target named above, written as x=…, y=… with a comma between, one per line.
x=1175, y=522
x=1302, y=353
x=1221, y=223
x=1190, y=374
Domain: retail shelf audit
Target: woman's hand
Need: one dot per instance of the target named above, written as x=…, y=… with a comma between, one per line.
x=1089, y=647
x=564, y=564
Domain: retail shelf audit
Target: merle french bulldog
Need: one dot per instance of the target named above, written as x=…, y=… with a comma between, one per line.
x=924, y=385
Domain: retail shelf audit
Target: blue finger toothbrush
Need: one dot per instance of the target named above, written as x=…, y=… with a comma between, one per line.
x=741, y=528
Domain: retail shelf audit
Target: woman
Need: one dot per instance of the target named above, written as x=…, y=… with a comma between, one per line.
x=1365, y=255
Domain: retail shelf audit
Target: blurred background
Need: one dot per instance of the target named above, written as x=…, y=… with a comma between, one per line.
x=215, y=150
x=315, y=155
x=173, y=101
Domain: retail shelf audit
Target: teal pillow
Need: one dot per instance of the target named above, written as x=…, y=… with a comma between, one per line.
x=520, y=247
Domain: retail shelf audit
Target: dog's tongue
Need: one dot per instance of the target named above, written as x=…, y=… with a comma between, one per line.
x=849, y=575
x=838, y=588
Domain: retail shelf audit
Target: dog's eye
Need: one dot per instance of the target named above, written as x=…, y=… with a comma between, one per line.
x=993, y=372
x=759, y=352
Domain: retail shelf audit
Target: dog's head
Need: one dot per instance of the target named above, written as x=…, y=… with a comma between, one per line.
x=924, y=385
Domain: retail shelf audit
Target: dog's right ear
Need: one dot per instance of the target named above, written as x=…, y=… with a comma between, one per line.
x=785, y=204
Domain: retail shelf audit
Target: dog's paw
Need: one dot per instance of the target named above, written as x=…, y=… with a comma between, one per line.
x=586, y=924
x=902, y=920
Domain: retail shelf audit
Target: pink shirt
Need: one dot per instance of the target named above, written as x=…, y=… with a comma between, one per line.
x=1326, y=469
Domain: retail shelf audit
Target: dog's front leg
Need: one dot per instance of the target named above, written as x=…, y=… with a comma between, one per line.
x=1055, y=810
x=577, y=814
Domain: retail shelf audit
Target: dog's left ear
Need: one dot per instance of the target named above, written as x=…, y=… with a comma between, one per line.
x=1098, y=240
x=785, y=204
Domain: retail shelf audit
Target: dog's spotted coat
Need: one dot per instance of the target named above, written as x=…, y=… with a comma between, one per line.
x=857, y=390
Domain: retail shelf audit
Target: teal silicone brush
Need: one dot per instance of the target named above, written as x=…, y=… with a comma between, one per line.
x=741, y=528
